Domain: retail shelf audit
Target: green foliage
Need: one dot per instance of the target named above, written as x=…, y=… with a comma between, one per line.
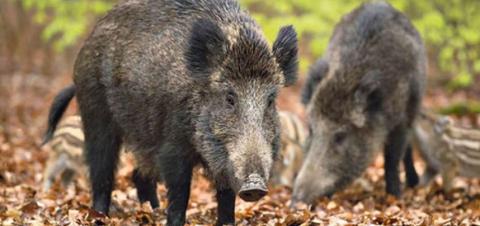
x=451, y=31
x=313, y=20
x=461, y=108
x=450, y=28
x=65, y=20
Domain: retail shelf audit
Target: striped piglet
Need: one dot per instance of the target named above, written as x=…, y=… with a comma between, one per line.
x=290, y=158
x=447, y=149
x=65, y=158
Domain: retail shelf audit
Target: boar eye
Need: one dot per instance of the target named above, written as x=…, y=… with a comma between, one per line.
x=339, y=137
x=231, y=99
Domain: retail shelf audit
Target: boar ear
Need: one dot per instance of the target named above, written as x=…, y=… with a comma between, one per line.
x=367, y=98
x=285, y=51
x=317, y=72
x=206, y=48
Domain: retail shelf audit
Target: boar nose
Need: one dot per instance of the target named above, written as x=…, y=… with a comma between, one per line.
x=253, y=189
x=253, y=194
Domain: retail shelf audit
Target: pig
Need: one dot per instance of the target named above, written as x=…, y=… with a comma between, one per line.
x=183, y=83
x=448, y=149
x=370, y=84
x=290, y=157
x=65, y=158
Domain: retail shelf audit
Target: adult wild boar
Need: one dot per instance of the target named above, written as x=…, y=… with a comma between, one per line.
x=183, y=82
x=369, y=89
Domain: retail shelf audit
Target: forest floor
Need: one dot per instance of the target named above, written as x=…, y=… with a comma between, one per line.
x=23, y=108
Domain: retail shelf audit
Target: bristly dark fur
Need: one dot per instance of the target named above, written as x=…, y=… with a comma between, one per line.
x=285, y=49
x=207, y=47
x=251, y=54
x=182, y=82
x=317, y=72
x=373, y=20
x=368, y=98
x=410, y=172
x=146, y=189
x=369, y=93
x=59, y=105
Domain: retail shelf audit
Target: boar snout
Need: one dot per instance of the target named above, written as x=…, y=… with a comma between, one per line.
x=313, y=182
x=309, y=198
x=253, y=189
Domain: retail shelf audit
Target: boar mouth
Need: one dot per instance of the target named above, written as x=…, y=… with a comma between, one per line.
x=310, y=199
x=253, y=189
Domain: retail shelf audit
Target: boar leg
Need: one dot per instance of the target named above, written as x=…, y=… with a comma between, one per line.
x=102, y=145
x=177, y=173
x=450, y=170
x=411, y=173
x=394, y=150
x=428, y=175
x=54, y=167
x=226, y=207
x=146, y=189
x=67, y=176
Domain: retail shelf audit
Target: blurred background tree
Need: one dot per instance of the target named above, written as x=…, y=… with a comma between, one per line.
x=65, y=20
x=34, y=32
x=44, y=35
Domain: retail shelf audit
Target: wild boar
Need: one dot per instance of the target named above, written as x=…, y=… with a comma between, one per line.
x=183, y=82
x=447, y=149
x=367, y=98
x=65, y=158
x=290, y=157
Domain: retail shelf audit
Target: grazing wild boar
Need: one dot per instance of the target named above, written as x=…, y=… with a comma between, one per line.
x=183, y=82
x=367, y=98
x=65, y=158
x=290, y=156
x=447, y=149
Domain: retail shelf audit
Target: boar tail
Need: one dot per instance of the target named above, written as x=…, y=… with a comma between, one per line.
x=59, y=105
